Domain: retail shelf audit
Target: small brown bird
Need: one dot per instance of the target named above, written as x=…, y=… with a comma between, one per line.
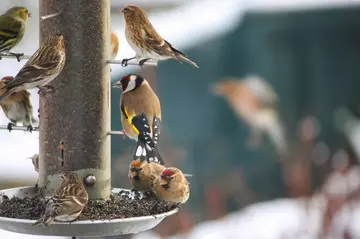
x=172, y=186
x=114, y=45
x=43, y=66
x=67, y=203
x=143, y=173
x=137, y=97
x=255, y=101
x=35, y=161
x=17, y=107
x=145, y=41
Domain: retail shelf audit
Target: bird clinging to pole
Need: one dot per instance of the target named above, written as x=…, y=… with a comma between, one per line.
x=43, y=66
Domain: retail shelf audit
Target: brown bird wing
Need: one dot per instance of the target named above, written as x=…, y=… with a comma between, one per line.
x=157, y=44
x=36, y=68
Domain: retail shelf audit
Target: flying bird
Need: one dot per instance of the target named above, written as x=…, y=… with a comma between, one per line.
x=255, y=101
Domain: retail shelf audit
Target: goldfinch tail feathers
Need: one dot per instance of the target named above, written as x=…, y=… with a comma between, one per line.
x=146, y=148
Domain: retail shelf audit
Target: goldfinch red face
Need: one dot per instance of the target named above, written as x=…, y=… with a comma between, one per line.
x=129, y=82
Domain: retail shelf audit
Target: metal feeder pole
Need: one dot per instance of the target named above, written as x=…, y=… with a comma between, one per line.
x=78, y=112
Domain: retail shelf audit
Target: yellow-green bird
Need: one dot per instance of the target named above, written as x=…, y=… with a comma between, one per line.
x=12, y=28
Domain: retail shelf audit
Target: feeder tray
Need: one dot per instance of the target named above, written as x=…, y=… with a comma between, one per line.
x=86, y=228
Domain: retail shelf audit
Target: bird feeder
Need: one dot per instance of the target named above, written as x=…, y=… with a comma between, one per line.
x=76, y=117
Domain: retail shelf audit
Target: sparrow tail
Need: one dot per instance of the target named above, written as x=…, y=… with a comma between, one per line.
x=44, y=221
x=181, y=56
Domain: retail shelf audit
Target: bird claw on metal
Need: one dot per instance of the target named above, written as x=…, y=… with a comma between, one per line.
x=17, y=55
x=9, y=126
x=45, y=89
x=124, y=62
x=142, y=62
x=124, y=135
x=30, y=128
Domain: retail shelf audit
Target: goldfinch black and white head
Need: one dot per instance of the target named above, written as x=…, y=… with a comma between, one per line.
x=129, y=82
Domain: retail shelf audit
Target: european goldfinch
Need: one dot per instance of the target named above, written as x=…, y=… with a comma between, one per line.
x=137, y=98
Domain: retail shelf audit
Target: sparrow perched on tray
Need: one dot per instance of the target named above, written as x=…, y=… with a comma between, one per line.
x=145, y=41
x=172, y=186
x=67, y=203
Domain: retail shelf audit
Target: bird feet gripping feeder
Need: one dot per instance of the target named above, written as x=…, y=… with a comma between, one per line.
x=77, y=113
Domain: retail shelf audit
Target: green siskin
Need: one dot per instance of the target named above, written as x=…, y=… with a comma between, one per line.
x=12, y=29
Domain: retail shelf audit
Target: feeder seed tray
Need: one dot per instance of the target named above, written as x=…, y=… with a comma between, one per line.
x=84, y=228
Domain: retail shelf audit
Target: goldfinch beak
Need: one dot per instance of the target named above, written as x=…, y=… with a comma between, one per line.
x=163, y=182
x=29, y=14
x=117, y=85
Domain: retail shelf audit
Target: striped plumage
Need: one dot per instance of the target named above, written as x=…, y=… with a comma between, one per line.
x=146, y=41
x=43, y=66
x=12, y=27
x=17, y=107
x=68, y=201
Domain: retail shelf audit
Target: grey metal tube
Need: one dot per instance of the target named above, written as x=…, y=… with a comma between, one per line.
x=78, y=112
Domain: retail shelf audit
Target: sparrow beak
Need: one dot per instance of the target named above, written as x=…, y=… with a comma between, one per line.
x=122, y=11
x=133, y=174
x=117, y=85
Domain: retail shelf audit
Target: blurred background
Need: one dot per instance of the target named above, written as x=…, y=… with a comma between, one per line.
x=268, y=125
